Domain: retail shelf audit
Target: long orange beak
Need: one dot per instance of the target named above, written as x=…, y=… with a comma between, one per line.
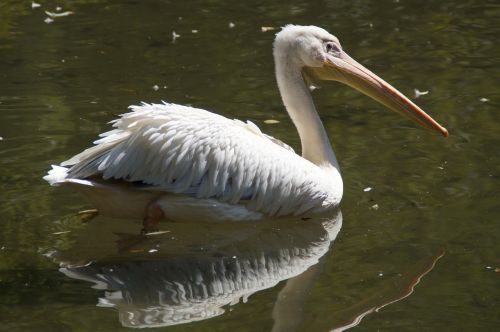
x=344, y=69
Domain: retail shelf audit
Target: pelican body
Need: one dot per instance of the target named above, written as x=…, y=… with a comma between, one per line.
x=183, y=163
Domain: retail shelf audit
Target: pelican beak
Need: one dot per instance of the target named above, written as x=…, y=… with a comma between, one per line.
x=344, y=69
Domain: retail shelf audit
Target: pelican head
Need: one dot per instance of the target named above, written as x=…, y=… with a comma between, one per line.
x=320, y=56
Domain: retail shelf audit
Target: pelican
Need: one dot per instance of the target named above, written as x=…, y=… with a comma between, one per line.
x=183, y=163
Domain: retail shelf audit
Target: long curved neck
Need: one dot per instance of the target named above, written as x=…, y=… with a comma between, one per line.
x=297, y=99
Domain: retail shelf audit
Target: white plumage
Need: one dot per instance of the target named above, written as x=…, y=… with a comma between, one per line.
x=192, y=152
x=184, y=163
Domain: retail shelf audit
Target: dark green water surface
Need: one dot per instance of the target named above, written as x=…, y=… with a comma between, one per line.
x=422, y=245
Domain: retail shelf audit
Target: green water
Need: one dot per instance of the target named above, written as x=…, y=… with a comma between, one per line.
x=60, y=83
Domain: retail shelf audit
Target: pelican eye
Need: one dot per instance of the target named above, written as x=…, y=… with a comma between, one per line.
x=331, y=47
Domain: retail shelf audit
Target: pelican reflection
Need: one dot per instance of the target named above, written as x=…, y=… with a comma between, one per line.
x=175, y=278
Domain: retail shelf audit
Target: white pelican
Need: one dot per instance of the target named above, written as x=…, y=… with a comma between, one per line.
x=183, y=163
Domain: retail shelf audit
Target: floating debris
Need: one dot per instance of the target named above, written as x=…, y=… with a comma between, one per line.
x=1, y=138
x=266, y=29
x=174, y=36
x=59, y=233
x=87, y=215
x=380, y=274
x=54, y=15
x=194, y=31
x=48, y=20
x=58, y=8
x=52, y=253
x=231, y=25
x=157, y=233
x=367, y=189
x=493, y=269
x=419, y=93
x=152, y=250
x=35, y=5
x=271, y=121
x=374, y=207
x=156, y=87
x=484, y=100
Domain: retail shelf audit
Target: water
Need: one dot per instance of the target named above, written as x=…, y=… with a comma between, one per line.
x=437, y=198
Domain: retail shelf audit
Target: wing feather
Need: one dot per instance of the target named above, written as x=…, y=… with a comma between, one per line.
x=190, y=151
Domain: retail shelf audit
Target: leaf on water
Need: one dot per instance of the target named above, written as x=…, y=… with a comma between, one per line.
x=367, y=189
x=231, y=25
x=54, y=15
x=484, y=100
x=374, y=207
x=157, y=233
x=271, y=121
x=59, y=233
x=35, y=5
x=48, y=20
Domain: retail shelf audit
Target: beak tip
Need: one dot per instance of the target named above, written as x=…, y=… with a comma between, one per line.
x=444, y=132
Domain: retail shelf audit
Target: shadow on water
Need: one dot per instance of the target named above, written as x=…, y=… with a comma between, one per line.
x=194, y=272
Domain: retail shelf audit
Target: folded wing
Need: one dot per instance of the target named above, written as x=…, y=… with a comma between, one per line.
x=184, y=150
